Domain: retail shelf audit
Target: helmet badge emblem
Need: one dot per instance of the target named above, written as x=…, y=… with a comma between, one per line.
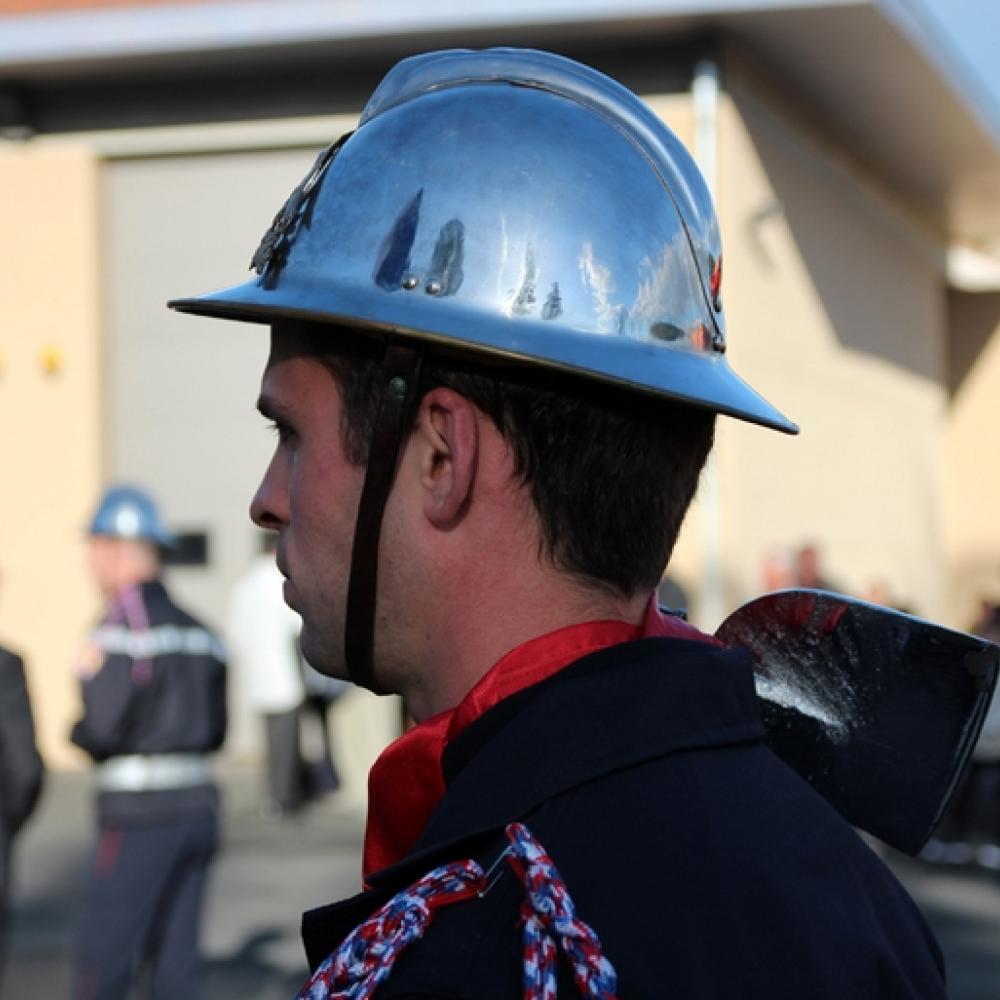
x=272, y=253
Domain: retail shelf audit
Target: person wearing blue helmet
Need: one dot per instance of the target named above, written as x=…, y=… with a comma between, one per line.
x=153, y=685
x=498, y=350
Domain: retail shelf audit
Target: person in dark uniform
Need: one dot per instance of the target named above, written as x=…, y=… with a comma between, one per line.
x=497, y=353
x=21, y=772
x=153, y=681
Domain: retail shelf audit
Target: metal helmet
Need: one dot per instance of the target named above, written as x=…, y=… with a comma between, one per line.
x=128, y=512
x=515, y=204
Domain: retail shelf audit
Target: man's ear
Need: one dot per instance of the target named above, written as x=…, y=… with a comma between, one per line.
x=447, y=439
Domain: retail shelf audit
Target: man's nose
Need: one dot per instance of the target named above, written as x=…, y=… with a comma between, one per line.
x=268, y=509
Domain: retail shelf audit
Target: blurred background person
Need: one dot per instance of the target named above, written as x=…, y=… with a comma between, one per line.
x=673, y=595
x=776, y=570
x=321, y=774
x=983, y=786
x=154, y=706
x=878, y=592
x=969, y=832
x=809, y=570
x=20, y=773
x=262, y=638
x=988, y=623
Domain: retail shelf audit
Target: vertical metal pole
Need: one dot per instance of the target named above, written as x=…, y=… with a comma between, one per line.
x=711, y=603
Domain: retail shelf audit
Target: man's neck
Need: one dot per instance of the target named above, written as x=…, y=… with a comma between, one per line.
x=474, y=639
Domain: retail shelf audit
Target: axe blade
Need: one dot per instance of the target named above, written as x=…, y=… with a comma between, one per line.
x=878, y=710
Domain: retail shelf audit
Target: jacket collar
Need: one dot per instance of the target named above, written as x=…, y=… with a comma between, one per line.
x=611, y=709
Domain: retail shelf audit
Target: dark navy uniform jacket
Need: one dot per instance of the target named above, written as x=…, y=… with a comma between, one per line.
x=161, y=689
x=21, y=767
x=707, y=867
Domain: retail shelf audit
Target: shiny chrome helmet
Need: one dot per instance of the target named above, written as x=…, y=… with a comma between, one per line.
x=515, y=204
x=128, y=512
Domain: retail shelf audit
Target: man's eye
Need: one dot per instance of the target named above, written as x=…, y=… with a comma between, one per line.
x=283, y=431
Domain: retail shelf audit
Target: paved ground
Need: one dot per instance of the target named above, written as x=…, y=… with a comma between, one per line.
x=963, y=907
x=271, y=870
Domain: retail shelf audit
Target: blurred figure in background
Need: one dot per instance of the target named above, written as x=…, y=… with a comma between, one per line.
x=321, y=775
x=878, y=592
x=672, y=595
x=969, y=832
x=983, y=785
x=20, y=773
x=776, y=572
x=262, y=637
x=154, y=694
x=988, y=623
x=809, y=569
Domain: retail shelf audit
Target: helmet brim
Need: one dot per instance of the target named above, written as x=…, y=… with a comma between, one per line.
x=657, y=369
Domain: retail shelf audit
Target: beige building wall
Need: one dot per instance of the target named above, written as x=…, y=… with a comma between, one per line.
x=50, y=350
x=973, y=454
x=836, y=313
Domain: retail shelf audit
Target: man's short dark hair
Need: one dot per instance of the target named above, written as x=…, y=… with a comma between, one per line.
x=611, y=473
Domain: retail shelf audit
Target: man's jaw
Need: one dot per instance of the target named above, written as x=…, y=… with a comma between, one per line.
x=288, y=593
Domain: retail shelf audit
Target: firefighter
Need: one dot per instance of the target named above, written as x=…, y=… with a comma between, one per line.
x=153, y=683
x=497, y=354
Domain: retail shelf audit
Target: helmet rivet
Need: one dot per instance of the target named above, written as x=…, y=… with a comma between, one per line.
x=410, y=282
x=397, y=386
x=433, y=288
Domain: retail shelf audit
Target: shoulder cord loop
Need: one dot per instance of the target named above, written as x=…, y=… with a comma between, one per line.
x=549, y=915
x=366, y=956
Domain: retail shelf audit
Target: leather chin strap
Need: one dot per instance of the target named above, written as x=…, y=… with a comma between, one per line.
x=402, y=373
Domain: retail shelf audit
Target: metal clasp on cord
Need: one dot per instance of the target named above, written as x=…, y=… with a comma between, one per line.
x=491, y=876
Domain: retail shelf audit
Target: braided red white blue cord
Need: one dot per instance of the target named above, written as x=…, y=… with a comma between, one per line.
x=366, y=956
x=549, y=916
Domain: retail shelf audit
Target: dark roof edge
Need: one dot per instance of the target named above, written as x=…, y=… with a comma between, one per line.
x=934, y=43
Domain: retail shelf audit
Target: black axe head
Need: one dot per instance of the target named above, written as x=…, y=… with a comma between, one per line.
x=878, y=710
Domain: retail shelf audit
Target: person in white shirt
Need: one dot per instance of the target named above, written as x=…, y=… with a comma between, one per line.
x=262, y=636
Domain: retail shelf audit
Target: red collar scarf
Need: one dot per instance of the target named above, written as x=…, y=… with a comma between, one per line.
x=405, y=783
